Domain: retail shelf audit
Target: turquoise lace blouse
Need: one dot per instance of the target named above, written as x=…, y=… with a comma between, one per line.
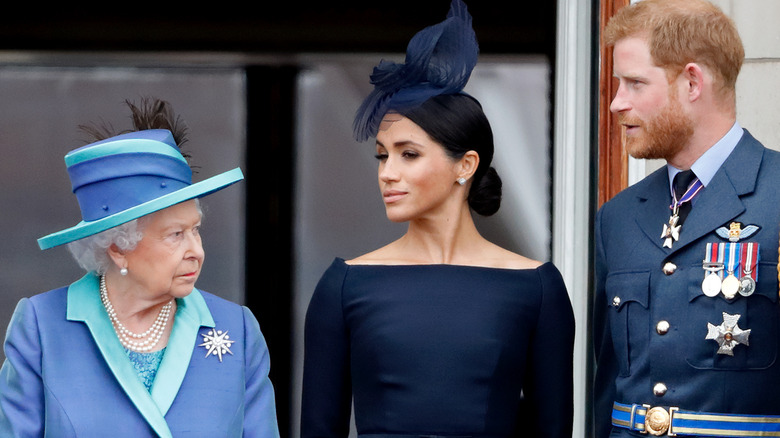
x=146, y=365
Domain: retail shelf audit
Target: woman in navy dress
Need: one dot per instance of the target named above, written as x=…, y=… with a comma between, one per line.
x=441, y=332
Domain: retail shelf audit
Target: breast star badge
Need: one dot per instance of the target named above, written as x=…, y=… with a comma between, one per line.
x=728, y=334
x=216, y=343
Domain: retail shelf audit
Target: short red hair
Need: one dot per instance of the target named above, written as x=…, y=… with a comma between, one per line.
x=680, y=32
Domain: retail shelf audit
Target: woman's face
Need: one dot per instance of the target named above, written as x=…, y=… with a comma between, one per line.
x=417, y=178
x=168, y=260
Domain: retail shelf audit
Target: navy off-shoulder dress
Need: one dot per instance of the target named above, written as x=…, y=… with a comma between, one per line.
x=438, y=350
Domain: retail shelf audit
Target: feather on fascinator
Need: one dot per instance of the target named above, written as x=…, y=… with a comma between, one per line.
x=439, y=60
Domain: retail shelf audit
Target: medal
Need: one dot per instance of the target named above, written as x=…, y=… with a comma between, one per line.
x=711, y=284
x=728, y=334
x=730, y=284
x=749, y=269
x=713, y=265
x=747, y=286
x=671, y=230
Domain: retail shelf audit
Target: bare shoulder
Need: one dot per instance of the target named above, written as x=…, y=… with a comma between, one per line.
x=497, y=257
x=386, y=255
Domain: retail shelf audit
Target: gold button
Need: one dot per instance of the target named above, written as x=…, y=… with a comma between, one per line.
x=616, y=301
x=659, y=389
x=669, y=268
x=662, y=327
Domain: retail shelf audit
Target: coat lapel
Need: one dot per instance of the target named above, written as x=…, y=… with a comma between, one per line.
x=720, y=202
x=716, y=204
x=653, y=211
x=191, y=314
x=84, y=305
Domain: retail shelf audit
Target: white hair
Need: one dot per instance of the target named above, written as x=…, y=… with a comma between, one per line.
x=91, y=253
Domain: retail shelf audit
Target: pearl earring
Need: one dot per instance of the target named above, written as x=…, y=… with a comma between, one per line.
x=123, y=271
x=461, y=180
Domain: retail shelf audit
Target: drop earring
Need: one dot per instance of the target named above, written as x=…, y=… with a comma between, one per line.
x=461, y=180
x=123, y=271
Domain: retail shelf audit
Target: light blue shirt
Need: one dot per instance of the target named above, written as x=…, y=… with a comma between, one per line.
x=710, y=161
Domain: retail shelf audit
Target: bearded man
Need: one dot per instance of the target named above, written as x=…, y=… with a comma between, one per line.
x=686, y=314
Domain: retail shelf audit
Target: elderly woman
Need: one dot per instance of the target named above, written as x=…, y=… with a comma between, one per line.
x=133, y=349
x=440, y=332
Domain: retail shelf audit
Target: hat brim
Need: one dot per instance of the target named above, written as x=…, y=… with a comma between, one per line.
x=85, y=229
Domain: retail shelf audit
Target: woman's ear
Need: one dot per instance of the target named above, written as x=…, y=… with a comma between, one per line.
x=117, y=256
x=468, y=165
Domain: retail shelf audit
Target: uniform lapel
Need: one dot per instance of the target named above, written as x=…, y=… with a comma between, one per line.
x=84, y=305
x=191, y=314
x=653, y=211
x=720, y=202
x=715, y=205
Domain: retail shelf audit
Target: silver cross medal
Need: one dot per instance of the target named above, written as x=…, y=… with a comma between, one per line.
x=728, y=334
x=671, y=230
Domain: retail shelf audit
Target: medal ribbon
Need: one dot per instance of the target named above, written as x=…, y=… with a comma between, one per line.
x=693, y=190
x=750, y=258
x=715, y=254
x=732, y=256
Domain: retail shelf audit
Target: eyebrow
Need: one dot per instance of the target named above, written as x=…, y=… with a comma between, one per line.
x=181, y=224
x=628, y=75
x=400, y=144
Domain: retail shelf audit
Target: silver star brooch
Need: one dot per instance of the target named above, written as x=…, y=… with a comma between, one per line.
x=217, y=343
x=728, y=334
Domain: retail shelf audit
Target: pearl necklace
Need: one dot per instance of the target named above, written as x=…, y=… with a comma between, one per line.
x=131, y=340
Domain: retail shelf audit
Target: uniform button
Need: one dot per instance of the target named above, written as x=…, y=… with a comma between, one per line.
x=669, y=268
x=616, y=301
x=659, y=389
x=662, y=327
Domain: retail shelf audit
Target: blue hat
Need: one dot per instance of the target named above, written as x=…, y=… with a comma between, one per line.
x=128, y=176
x=439, y=60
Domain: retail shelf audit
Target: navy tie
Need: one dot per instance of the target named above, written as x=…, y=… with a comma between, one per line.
x=680, y=183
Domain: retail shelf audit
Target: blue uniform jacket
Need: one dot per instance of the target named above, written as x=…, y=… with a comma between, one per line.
x=67, y=375
x=633, y=294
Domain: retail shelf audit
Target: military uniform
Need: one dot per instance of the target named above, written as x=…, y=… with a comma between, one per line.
x=662, y=339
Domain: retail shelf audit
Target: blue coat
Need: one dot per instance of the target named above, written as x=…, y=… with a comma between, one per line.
x=67, y=375
x=633, y=294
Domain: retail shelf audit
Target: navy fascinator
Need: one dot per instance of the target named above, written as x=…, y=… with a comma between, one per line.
x=439, y=60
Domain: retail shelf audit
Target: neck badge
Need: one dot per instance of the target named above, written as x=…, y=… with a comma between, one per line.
x=671, y=230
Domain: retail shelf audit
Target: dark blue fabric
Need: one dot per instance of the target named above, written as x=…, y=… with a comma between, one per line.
x=438, y=350
x=439, y=60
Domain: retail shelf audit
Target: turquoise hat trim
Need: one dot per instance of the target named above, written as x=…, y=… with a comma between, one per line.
x=196, y=190
x=133, y=145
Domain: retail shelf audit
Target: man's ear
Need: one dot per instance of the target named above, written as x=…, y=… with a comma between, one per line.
x=694, y=76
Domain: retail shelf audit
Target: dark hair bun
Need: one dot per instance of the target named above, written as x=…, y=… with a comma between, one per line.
x=485, y=194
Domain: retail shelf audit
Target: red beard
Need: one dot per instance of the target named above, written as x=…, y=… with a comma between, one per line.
x=662, y=136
